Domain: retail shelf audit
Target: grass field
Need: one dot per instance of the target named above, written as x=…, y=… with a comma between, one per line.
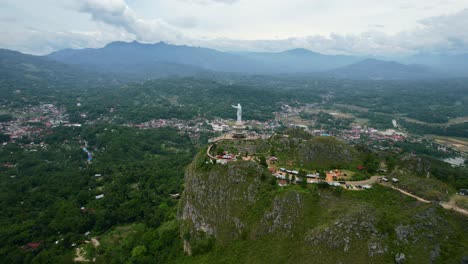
x=458, y=143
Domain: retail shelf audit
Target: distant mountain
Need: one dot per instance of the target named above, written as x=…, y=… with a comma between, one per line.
x=122, y=57
x=130, y=61
x=136, y=60
x=21, y=69
x=125, y=56
x=455, y=64
x=384, y=70
x=301, y=60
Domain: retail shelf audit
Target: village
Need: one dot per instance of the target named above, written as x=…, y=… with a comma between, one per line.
x=28, y=124
x=286, y=176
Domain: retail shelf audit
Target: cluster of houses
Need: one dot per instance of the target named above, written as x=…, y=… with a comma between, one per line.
x=283, y=175
x=332, y=177
x=47, y=115
x=357, y=131
x=225, y=157
x=219, y=126
x=187, y=125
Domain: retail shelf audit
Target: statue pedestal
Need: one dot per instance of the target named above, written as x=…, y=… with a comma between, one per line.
x=238, y=130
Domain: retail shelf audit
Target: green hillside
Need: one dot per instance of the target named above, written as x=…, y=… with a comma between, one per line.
x=235, y=213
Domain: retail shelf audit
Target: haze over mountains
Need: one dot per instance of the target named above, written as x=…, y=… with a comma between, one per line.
x=136, y=60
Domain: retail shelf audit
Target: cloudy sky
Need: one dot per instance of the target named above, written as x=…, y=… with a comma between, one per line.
x=364, y=27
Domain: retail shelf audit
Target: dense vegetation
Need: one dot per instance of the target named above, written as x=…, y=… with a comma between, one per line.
x=42, y=201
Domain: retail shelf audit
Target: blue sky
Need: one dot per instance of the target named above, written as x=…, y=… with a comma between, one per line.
x=364, y=27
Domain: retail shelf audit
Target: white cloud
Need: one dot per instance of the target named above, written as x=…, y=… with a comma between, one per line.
x=117, y=13
x=258, y=25
x=205, y=2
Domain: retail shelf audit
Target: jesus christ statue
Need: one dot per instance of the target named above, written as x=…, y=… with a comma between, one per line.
x=239, y=112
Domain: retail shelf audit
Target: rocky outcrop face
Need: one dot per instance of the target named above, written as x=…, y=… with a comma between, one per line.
x=217, y=200
x=286, y=211
x=400, y=258
x=345, y=231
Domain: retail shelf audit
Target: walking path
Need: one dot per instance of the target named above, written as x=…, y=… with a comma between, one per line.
x=407, y=193
x=208, y=152
x=450, y=205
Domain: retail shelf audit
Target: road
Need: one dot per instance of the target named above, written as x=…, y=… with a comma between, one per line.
x=208, y=152
x=407, y=193
x=371, y=180
x=450, y=205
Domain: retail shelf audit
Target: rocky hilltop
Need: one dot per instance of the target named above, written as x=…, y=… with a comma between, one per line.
x=218, y=201
x=237, y=213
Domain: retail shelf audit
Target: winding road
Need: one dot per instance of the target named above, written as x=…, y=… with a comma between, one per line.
x=450, y=205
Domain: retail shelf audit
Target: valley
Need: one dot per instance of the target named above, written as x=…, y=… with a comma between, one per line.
x=107, y=166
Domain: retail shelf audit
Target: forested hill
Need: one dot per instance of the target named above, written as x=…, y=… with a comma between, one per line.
x=385, y=70
x=116, y=56
x=23, y=71
x=236, y=213
x=161, y=59
x=121, y=61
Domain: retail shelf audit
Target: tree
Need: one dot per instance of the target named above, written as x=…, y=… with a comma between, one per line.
x=263, y=161
x=303, y=176
x=4, y=138
x=322, y=174
x=371, y=163
x=139, y=251
x=273, y=151
x=391, y=163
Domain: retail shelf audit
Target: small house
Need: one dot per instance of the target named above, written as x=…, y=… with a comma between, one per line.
x=175, y=195
x=314, y=176
x=395, y=180
x=311, y=180
x=463, y=192
x=32, y=245
x=282, y=183
x=221, y=161
x=99, y=196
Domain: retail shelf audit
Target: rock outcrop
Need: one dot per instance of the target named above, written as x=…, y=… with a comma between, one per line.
x=218, y=201
x=241, y=204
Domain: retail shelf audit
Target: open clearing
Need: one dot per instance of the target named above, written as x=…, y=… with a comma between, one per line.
x=460, y=144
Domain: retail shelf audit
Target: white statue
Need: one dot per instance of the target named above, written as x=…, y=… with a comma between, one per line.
x=239, y=112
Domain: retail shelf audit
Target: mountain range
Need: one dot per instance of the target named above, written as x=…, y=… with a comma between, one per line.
x=139, y=61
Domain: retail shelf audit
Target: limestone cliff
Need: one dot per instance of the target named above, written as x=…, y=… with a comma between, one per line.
x=218, y=200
